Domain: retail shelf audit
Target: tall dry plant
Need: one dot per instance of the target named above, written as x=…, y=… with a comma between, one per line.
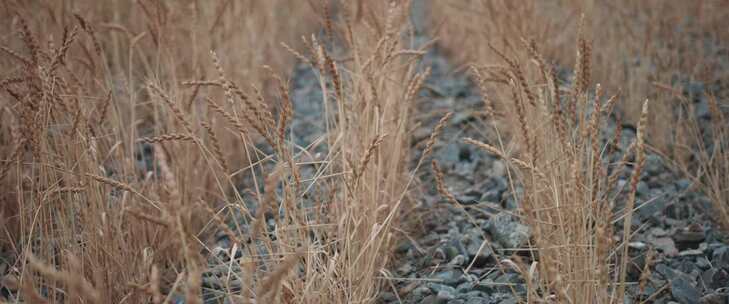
x=707, y=142
x=127, y=150
x=367, y=100
x=571, y=195
x=105, y=157
x=637, y=43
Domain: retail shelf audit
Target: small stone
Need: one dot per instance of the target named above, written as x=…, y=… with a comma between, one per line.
x=689, y=239
x=458, y=260
x=448, y=155
x=689, y=236
x=665, y=271
x=403, y=247
x=453, y=250
x=449, y=277
x=715, y=278
x=486, y=285
x=479, y=253
x=691, y=252
x=715, y=298
x=511, y=203
x=702, y=262
x=637, y=245
x=683, y=184
x=701, y=109
x=622, y=183
x=460, y=117
x=435, y=287
x=508, y=301
x=506, y=280
x=508, y=231
x=445, y=295
x=474, y=294
x=422, y=291
x=433, y=300
x=498, y=168
x=653, y=164
x=720, y=258
x=387, y=297
x=463, y=287
x=665, y=244
x=212, y=282
x=405, y=269
x=642, y=188
x=658, y=232
x=684, y=291
x=178, y=299
x=477, y=300
x=492, y=195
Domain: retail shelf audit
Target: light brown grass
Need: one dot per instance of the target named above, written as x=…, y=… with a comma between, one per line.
x=634, y=44
x=204, y=85
x=569, y=200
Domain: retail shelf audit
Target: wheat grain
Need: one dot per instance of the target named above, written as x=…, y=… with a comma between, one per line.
x=440, y=184
x=167, y=137
x=434, y=135
x=217, y=150
x=173, y=106
x=630, y=204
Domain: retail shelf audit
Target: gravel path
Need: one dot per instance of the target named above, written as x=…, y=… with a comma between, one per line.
x=451, y=251
x=448, y=261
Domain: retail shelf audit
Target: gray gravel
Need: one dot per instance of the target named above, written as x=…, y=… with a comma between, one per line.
x=691, y=265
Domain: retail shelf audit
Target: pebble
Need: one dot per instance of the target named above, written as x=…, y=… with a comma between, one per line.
x=445, y=295
x=458, y=260
x=658, y=232
x=387, y=296
x=479, y=252
x=666, y=245
x=720, y=257
x=498, y=168
x=715, y=298
x=692, y=252
x=435, y=287
x=421, y=291
x=449, y=277
x=508, y=231
x=431, y=299
x=684, y=291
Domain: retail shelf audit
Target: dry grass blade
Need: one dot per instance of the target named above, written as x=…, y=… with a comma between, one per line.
x=91, y=90
x=77, y=284
x=362, y=165
x=215, y=142
x=158, y=220
x=436, y=132
x=121, y=186
x=646, y=271
x=497, y=152
x=173, y=106
x=154, y=285
x=634, y=179
x=268, y=290
x=440, y=183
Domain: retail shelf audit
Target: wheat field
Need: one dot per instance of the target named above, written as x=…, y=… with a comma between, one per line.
x=417, y=151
